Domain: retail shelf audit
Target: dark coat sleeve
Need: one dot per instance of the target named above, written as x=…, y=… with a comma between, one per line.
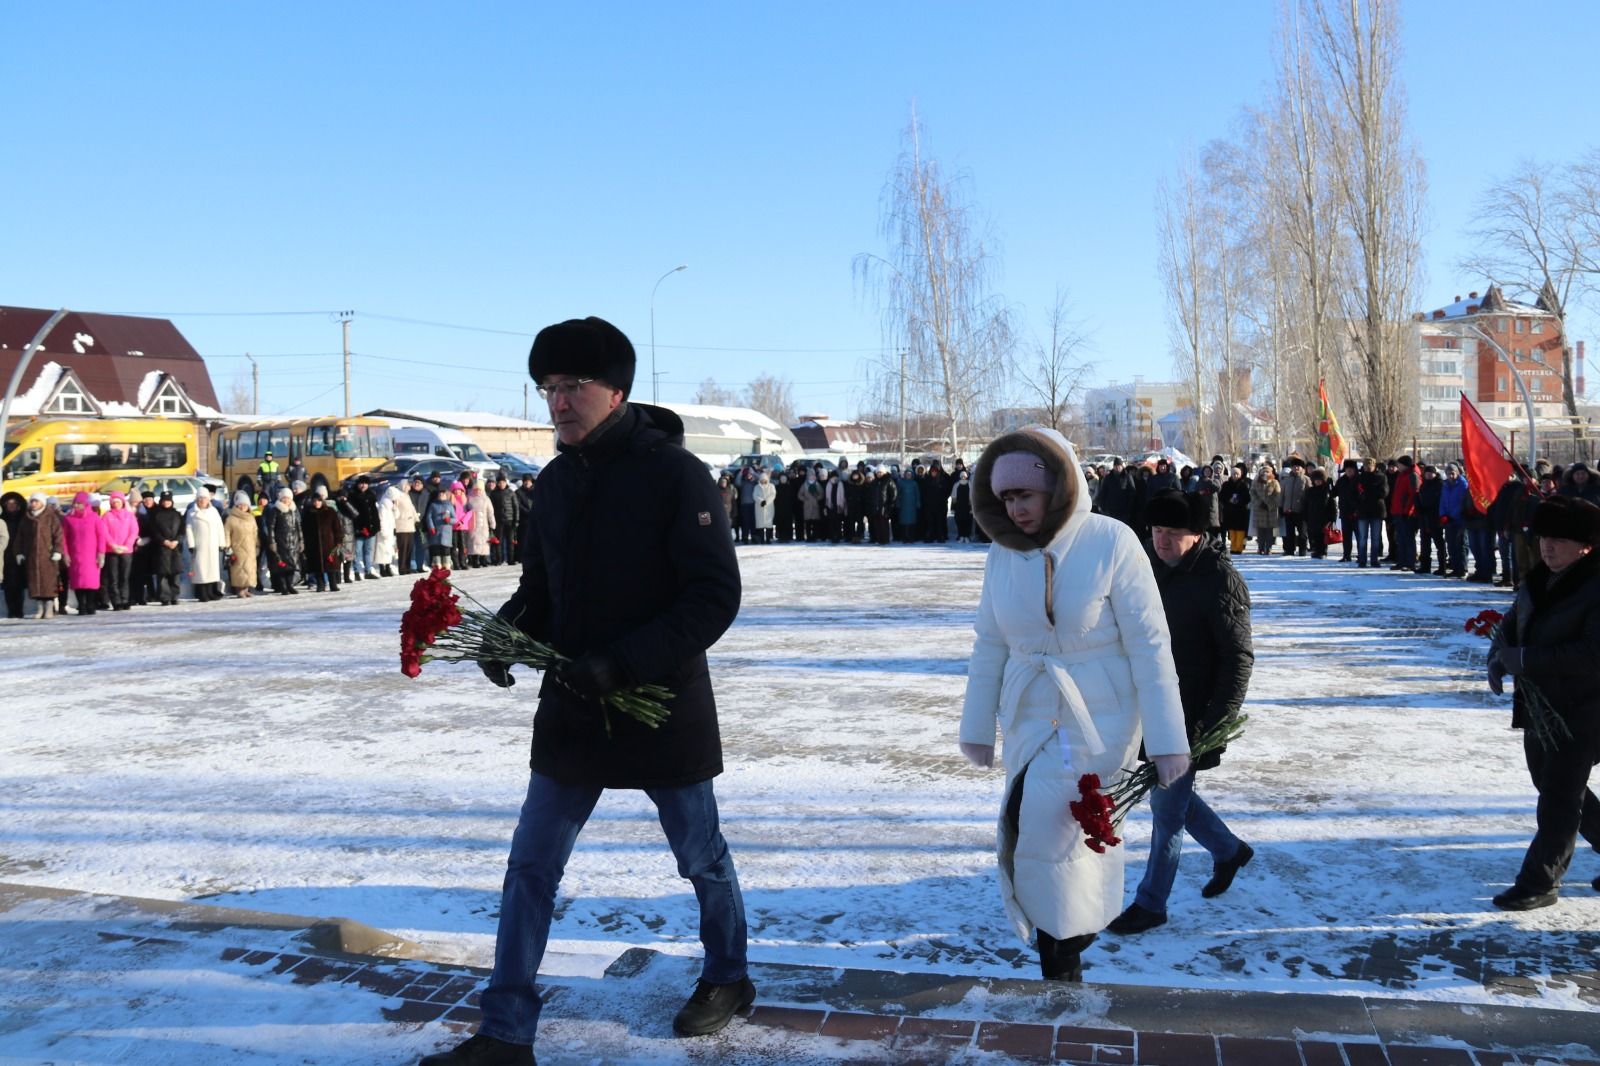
x=1235, y=654
x=529, y=607
x=707, y=589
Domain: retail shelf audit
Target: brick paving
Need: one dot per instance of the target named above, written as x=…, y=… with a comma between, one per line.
x=422, y=993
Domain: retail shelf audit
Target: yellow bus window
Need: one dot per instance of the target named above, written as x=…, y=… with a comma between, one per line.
x=26, y=464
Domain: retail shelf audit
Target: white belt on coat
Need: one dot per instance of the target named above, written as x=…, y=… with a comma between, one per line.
x=1022, y=667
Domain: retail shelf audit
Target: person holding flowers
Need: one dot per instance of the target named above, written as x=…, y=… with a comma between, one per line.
x=1207, y=607
x=629, y=571
x=1549, y=641
x=1074, y=663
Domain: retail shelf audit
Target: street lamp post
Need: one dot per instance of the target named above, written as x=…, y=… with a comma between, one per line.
x=23, y=360
x=655, y=389
x=1522, y=387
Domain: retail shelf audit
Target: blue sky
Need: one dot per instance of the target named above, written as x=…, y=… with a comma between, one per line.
x=503, y=166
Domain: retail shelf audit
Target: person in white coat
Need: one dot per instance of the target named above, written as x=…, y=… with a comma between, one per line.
x=205, y=539
x=1073, y=661
x=384, y=550
x=766, y=508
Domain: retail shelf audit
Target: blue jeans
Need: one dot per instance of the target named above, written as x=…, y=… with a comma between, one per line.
x=1369, y=534
x=1173, y=810
x=552, y=816
x=419, y=550
x=362, y=563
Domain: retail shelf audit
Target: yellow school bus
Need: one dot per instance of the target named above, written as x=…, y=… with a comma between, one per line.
x=60, y=457
x=330, y=448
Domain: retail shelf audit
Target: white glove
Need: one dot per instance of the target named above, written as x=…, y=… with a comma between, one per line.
x=980, y=755
x=55, y=557
x=21, y=559
x=1170, y=768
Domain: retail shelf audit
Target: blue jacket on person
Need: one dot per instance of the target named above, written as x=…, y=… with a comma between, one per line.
x=1452, y=497
x=910, y=501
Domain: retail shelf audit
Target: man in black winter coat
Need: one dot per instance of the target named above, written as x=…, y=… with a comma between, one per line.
x=1208, y=613
x=1116, y=496
x=1549, y=642
x=507, y=520
x=1347, y=494
x=628, y=569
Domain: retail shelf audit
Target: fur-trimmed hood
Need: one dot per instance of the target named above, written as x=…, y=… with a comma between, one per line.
x=1070, y=498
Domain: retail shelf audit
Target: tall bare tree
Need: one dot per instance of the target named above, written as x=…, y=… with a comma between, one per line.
x=934, y=292
x=1530, y=240
x=1059, y=370
x=713, y=395
x=772, y=396
x=240, y=398
x=1186, y=222
x=1379, y=182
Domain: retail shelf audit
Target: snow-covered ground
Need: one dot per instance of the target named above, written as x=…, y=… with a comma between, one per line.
x=269, y=754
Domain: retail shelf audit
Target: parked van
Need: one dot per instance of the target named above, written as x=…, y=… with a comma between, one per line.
x=61, y=458
x=412, y=438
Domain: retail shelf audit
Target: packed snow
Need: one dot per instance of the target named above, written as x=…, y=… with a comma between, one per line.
x=268, y=754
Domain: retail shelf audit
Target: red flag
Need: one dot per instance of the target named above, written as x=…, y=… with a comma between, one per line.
x=1487, y=465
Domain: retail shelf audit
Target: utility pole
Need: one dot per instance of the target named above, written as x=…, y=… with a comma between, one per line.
x=255, y=385
x=903, y=352
x=344, y=322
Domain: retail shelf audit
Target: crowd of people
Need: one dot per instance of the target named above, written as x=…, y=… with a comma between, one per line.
x=1396, y=513
x=813, y=501
x=116, y=553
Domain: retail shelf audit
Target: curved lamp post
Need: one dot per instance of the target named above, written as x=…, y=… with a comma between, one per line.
x=655, y=381
x=16, y=377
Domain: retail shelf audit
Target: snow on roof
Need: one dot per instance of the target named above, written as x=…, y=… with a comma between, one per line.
x=1473, y=305
x=26, y=404
x=723, y=414
x=147, y=387
x=459, y=419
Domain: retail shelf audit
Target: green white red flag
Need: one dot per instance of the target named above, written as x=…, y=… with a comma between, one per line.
x=1330, y=444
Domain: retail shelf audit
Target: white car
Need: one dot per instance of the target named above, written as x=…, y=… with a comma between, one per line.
x=183, y=488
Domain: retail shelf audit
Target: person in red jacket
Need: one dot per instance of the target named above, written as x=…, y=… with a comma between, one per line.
x=1403, y=510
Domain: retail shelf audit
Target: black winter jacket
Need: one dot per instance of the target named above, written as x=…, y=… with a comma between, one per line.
x=1208, y=613
x=628, y=555
x=1374, y=489
x=1557, y=624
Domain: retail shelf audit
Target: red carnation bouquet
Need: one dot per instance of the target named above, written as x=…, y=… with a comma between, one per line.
x=435, y=629
x=1549, y=728
x=1100, y=813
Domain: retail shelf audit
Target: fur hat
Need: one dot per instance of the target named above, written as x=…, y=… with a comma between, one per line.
x=1020, y=470
x=1177, y=510
x=1567, y=518
x=587, y=347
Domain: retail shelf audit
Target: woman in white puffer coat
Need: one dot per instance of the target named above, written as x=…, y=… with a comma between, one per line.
x=1074, y=663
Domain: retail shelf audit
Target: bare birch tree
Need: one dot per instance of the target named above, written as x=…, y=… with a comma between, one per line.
x=713, y=395
x=934, y=293
x=1531, y=241
x=1059, y=370
x=1379, y=182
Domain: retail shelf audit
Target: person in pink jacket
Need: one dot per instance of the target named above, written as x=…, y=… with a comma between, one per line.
x=84, y=534
x=462, y=523
x=122, y=539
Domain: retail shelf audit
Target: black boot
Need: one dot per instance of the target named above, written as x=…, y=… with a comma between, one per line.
x=1222, y=872
x=1062, y=960
x=713, y=1006
x=483, y=1050
x=1135, y=920
x=1525, y=899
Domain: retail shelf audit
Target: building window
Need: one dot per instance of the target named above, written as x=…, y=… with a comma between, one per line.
x=1538, y=325
x=169, y=401
x=70, y=400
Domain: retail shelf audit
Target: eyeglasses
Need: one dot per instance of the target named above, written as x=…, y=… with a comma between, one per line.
x=566, y=389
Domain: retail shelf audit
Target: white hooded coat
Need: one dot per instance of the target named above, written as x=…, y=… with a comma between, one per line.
x=1071, y=697
x=205, y=539
x=383, y=546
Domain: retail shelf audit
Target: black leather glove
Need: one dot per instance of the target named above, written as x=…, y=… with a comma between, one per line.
x=499, y=673
x=1511, y=661
x=1497, y=674
x=591, y=677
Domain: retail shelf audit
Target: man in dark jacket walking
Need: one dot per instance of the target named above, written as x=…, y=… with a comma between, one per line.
x=1208, y=613
x=628, y=569
x=1548, y=640
x=1373, y=486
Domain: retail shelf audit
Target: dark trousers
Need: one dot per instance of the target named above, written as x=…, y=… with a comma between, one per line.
x=1348, y=522
x=1566, y=808
x=16, y=589
x=747, y=521
x=114, y=578
x=88, y=600
x=879, y=524
x=167, y=588
x=1294, y=533
x=1431, y=544
x=402, y=551
x=1455, y=540
x=1404, y=542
